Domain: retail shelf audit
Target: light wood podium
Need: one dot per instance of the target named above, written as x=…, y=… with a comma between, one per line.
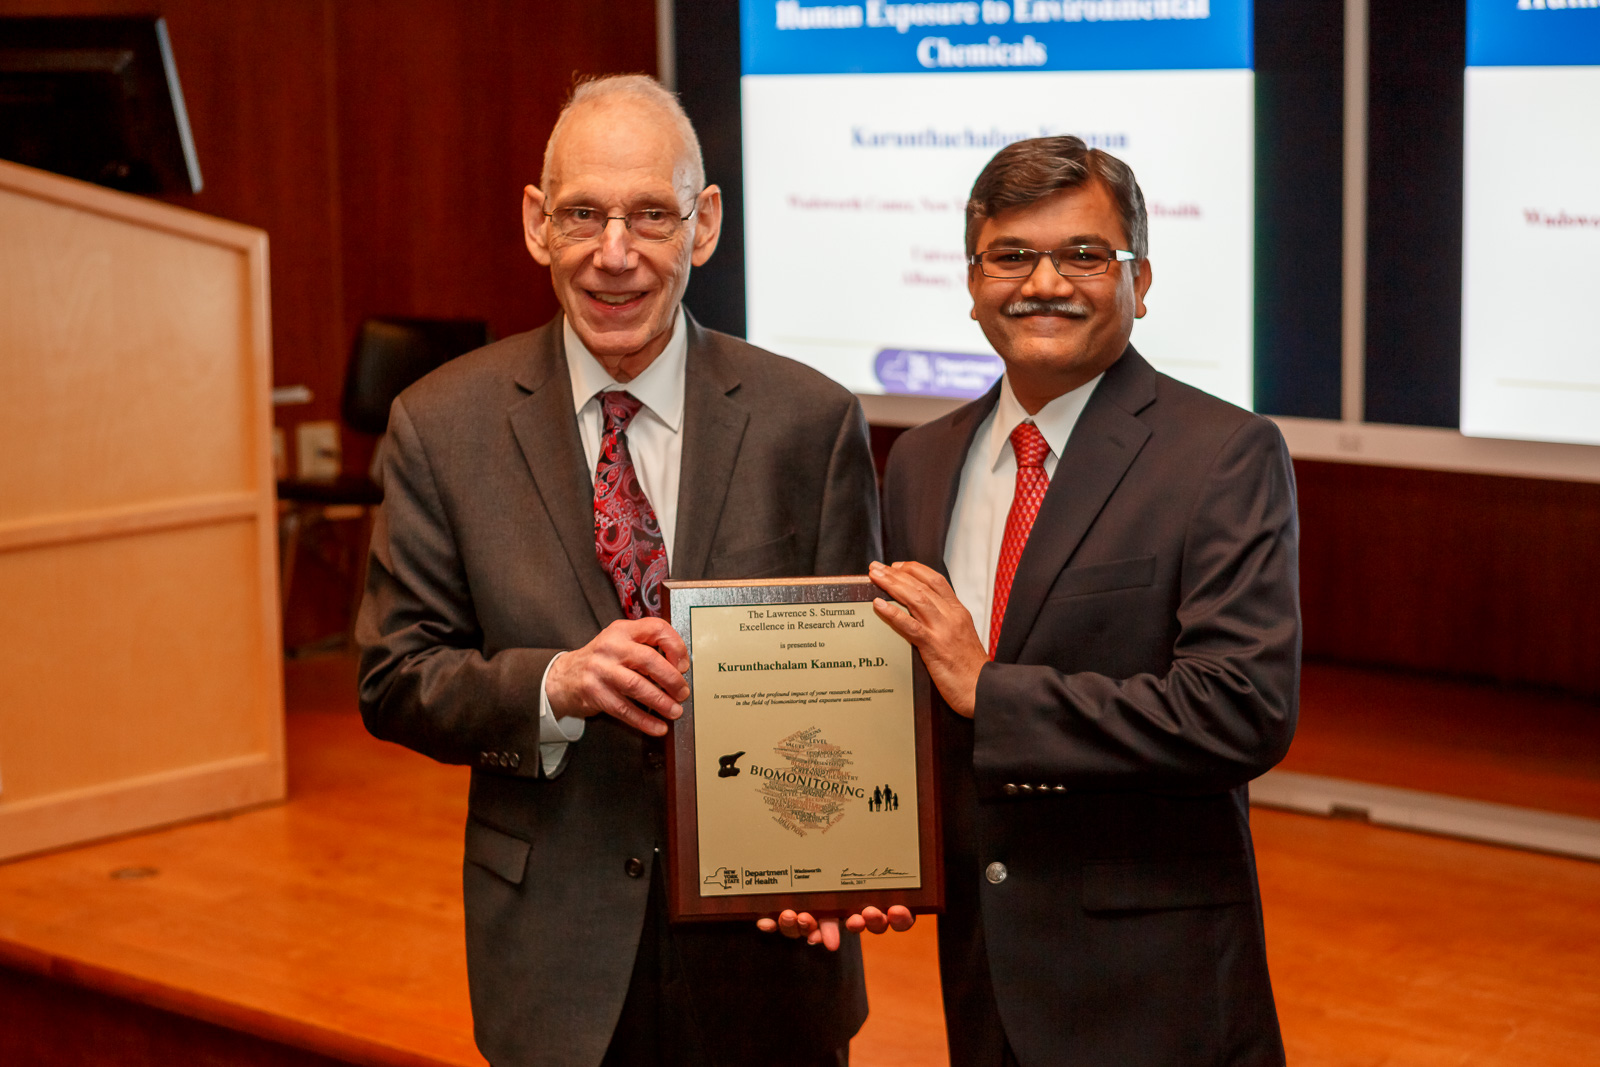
x=140, y=650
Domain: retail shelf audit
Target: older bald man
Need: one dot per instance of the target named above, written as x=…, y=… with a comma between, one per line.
x=538, y=491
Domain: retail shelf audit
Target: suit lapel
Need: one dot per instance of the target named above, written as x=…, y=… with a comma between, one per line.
x=1101, y=449
x=546, y=429
x=713, y=427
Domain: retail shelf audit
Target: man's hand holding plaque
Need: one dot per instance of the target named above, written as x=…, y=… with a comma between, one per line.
x=632, y=670
x=922, y=608
x=825, y=932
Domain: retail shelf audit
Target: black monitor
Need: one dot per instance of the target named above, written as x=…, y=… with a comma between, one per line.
x=97, y=99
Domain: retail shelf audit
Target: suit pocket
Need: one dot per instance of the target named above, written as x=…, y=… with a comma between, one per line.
x=767, y=559
x=497, y=852
x=1196, y=882
x=1133, y=573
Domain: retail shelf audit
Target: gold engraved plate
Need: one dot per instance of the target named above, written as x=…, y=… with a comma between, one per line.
x=805, y=762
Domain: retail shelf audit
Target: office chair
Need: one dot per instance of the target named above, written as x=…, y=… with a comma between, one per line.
x=388, y=355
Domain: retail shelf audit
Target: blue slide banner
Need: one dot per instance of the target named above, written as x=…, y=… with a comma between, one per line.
x=885, y=37
x=1533, y=33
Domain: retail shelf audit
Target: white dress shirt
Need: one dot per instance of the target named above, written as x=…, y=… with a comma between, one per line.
x=655, y=444
x=988, y=482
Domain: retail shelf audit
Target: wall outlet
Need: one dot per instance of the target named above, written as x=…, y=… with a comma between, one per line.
x=316, y=447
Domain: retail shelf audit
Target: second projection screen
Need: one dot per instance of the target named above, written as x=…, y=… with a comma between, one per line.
x=1530, y=323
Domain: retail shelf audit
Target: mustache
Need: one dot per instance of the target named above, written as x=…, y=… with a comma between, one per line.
x=1063, y=306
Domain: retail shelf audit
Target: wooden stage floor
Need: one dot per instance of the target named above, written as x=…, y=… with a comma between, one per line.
x=332, y=923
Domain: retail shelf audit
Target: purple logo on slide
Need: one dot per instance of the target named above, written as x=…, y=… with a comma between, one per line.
x=917, y=372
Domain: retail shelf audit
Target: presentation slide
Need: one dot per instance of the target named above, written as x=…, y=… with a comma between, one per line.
x=865, y=125
x=1530, y=303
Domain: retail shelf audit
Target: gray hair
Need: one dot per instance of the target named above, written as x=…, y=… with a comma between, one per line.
x=689, y=173
x=1026, y=172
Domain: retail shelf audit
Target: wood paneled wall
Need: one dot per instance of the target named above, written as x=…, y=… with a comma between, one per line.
x=383, y=145
x=443, y=112
x=1470, y=575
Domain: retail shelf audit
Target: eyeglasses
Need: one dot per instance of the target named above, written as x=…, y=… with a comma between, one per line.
x=1070, y=261
x=587, y=223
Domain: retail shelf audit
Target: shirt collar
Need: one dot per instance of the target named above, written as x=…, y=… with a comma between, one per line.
x=1055, y=420
x=659, y=387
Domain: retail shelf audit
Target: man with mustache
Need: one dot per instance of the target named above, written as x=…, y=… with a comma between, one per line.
x=1098, y=564
x=537, y=492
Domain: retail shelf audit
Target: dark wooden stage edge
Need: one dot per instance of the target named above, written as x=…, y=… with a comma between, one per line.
x=324, y=930
x=73, y=1024
x=328, y=929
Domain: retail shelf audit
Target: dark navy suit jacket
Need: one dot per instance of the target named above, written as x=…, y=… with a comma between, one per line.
x=1147, y=669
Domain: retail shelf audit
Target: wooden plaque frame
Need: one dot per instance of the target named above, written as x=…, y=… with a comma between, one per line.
x=683, y=841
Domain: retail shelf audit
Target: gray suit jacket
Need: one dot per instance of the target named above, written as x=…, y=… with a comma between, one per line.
x=483, y=568
x=1147, y=668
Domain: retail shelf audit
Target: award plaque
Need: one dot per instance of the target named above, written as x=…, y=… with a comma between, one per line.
x=801, y=772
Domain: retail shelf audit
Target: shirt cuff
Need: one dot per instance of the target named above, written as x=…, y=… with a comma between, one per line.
x=554, y=734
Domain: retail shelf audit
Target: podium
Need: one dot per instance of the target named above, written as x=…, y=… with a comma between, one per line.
x=140, y=649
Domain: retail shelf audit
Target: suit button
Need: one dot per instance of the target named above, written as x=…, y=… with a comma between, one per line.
x=1059, y=788
x=634, y=867
x=515, y=760
x=1009, y=789
x=1025, y=787
x=995, y=872
x=654, y=760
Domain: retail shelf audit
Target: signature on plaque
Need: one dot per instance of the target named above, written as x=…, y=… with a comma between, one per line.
x=847, y=876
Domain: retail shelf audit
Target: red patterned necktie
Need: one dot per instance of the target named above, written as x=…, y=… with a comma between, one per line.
x=627, y=537
x=1030, y=448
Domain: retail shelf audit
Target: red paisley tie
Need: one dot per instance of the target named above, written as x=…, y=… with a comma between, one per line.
x=627, y=537
x=1030, y=448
